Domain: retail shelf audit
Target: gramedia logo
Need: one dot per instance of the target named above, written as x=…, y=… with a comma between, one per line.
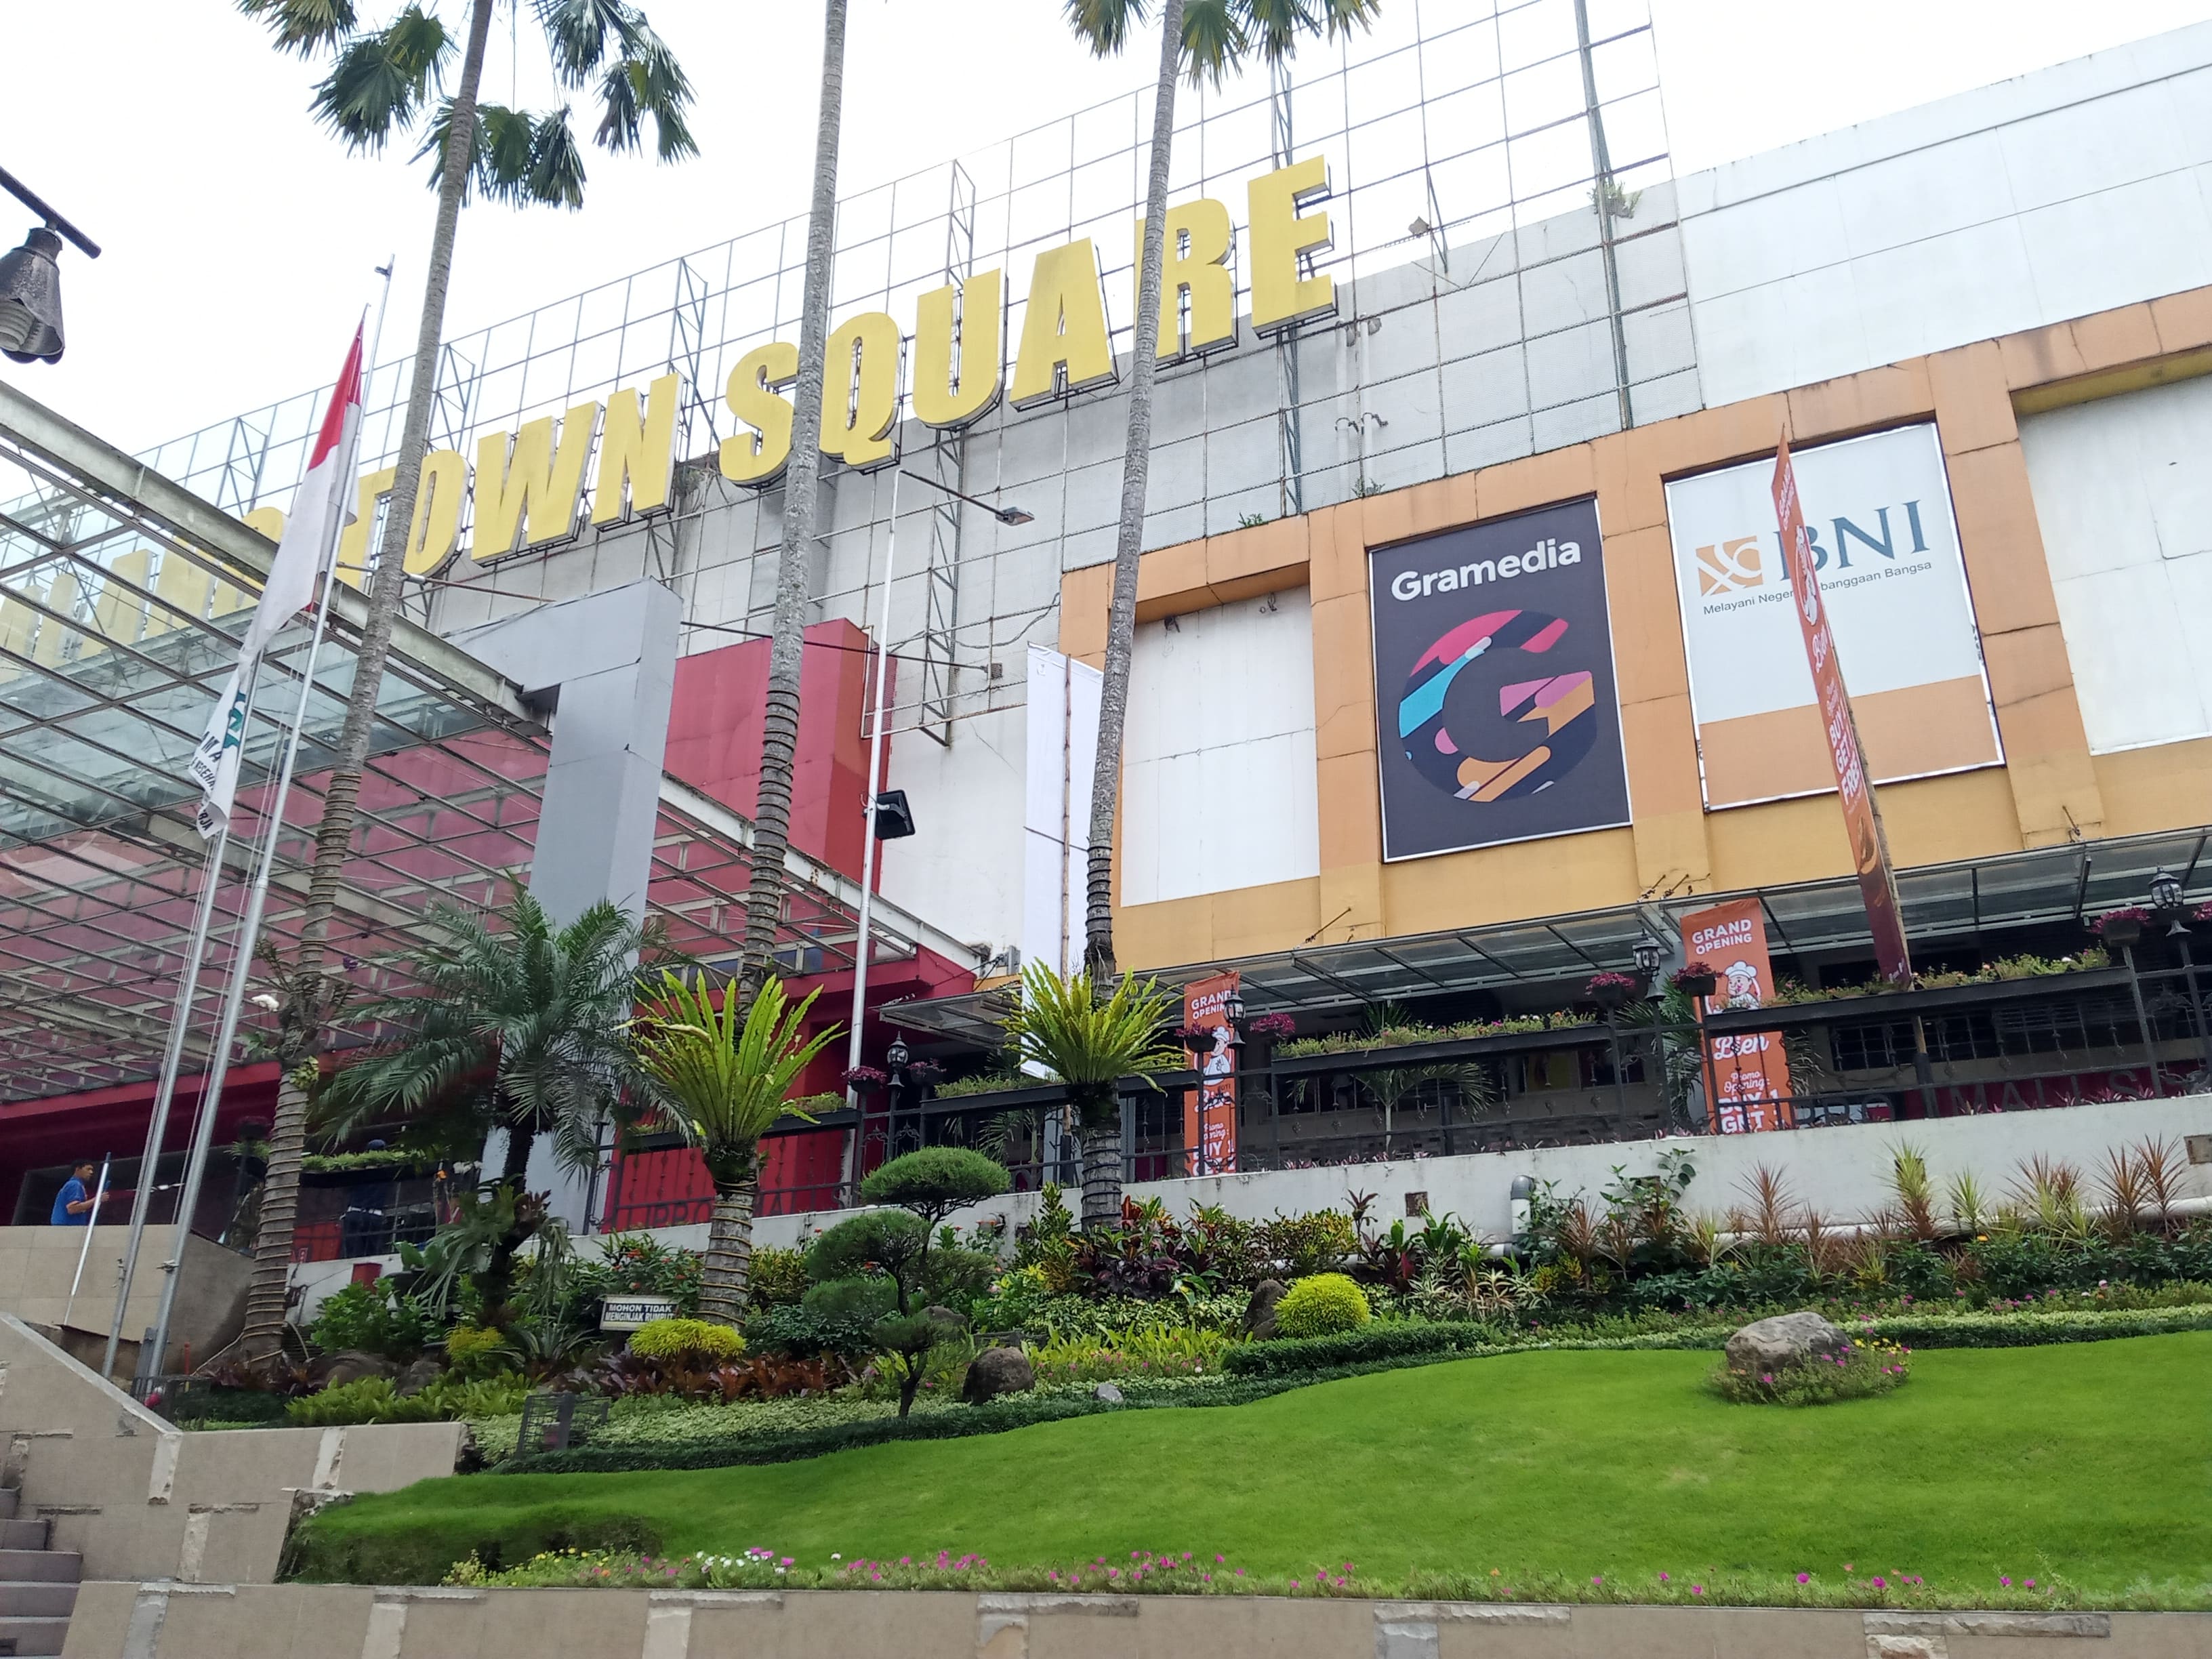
x=1558, y=704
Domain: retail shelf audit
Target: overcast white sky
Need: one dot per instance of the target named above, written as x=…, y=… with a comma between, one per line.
x=239, y=238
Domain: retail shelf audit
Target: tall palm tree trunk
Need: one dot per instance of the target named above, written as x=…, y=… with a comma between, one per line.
x=729, y=1253
x=272, y=1259
x=1136, y=470
x=801, y=494
x=1101, y=1175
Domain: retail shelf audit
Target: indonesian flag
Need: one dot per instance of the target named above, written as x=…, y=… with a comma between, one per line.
x=321, y=509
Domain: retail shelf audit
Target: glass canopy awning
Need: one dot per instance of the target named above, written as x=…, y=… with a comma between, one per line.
x=1946, y=906
x=122, y=600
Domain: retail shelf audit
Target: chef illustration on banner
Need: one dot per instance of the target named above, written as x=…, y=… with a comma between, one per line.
x=1748, y=1071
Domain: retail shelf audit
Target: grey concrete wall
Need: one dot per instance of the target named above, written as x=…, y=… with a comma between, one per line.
x=321, y=1621
x=139, y=1498
x=37, y=1265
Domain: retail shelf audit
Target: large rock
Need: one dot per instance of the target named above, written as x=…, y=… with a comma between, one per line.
x=417, y=1377
x=995, y=1371
x=334, y=1370
x=1784, y=1341
x=1259, y=1311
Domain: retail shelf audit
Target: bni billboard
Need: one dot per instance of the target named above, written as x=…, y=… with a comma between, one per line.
x=1892, y=577
x=1498, y=719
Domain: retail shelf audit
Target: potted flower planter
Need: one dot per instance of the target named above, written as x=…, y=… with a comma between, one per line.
x=1610, y=991
x=2121, y=928
x=1696, y=979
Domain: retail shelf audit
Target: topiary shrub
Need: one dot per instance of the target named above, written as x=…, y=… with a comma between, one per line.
x=693, y=1341
x=935, y=1181
x=1325, y=1304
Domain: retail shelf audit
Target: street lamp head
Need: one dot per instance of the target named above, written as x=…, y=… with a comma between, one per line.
x=2166, y=891
x=1012, y=515
x=897, y=1054
x=31, y=299
x=1232, y=1008
x=1649, y=953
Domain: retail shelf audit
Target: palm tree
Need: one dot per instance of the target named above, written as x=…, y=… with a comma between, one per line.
x=1090, y=1042
x=382, y=82
x=520, y=1025
x=724, y=1082
x=780, y=718
x=1209, y=38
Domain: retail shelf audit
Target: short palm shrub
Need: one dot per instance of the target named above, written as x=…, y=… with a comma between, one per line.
x=1866, y=1366
x=1325, y=1304
x=686, y=1341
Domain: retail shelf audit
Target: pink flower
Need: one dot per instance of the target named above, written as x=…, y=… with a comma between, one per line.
x=2031, y=1583
x=2006, y=1582
x=1804, y=1578
x=1696, y=1589
x=1880, y=1583
x=1662, y=1578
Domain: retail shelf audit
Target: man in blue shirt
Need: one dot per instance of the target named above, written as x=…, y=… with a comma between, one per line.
x=73, y=1204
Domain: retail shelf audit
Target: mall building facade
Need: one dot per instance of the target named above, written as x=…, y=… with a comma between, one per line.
x=1465, y=661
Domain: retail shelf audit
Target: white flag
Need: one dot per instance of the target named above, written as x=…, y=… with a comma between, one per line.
x=319, y=511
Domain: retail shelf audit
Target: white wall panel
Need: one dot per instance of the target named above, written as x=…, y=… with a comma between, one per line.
x=1218, y=770
x=2076, y=189
x=2124, y=503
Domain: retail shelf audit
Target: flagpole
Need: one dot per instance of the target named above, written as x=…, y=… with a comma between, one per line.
x=860, y=950
x=241, y=966
x=157, y=1130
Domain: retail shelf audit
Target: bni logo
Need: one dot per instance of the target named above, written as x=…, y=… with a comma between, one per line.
x=1730, y=568
x=1739, y=564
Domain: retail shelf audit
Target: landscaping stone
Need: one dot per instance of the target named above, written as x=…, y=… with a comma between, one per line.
x=1786, y=1339
x=417, y=1377
x=334, y=1369
x=1107, y=1392
x=1259, y=1311
x=997, y=1371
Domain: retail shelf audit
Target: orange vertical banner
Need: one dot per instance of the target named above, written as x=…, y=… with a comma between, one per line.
x=1209, y=1115
x=1748, y=1071
x=1862, y=821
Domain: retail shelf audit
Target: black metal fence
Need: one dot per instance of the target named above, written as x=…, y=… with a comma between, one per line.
x=2023, y=1044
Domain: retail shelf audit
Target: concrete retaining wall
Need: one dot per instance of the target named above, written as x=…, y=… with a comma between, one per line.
x=322, y=1621
x=140, y=1498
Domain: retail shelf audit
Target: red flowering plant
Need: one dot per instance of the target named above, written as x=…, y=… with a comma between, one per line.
x=1698, y=972
x=1271, y=1027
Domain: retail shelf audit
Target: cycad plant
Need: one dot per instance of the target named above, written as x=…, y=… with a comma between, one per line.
x=725, y=1078
x=514, y=1025
x=1209, y=40
x=1090, y=1043
x=390, y=80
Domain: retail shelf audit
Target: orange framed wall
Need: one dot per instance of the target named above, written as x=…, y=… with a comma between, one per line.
x=2050, y=788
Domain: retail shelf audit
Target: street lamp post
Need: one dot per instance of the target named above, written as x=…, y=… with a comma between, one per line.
x=2168, y=902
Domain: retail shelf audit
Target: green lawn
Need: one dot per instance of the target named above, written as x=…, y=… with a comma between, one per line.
x=2091, y=1462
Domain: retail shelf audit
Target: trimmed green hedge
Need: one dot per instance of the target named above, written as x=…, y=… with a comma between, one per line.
x=2033, y=1330
x=1259, y=1369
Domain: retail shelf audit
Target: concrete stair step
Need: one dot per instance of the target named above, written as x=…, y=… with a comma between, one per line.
x=32, y=1636
x=24, y=1535
x=37, y=1600
x=40, y=1566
